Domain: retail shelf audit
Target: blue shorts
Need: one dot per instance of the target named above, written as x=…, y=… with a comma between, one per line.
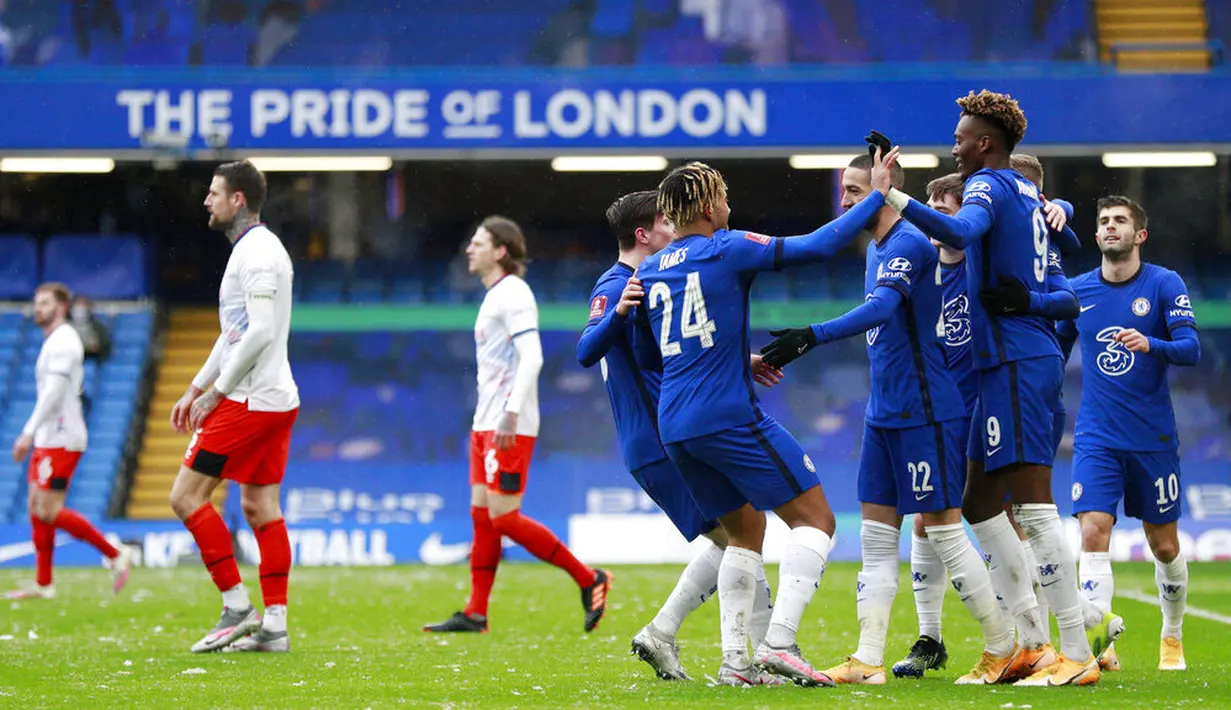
x=1014, y=418
x=760, y=463
x=916, y=470
x=1148, y=481
x=664, y=485
x=1058, y=419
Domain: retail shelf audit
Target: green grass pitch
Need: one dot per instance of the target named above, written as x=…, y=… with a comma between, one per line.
x=356, y=643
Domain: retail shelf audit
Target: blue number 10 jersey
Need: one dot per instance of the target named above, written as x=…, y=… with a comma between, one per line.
x=697, y=304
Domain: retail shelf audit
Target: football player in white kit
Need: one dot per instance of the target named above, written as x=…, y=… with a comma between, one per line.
x=506, y=422
x=242, y=424
x=56, y=430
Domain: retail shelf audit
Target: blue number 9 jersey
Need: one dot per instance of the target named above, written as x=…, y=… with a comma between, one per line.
x=1016, y=248
x=697, y=305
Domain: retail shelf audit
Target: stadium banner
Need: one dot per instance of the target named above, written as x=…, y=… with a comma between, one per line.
x=388, y=515
x=766, y=111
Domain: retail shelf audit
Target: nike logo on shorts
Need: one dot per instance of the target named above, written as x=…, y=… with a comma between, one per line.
x=1086, y=308
x=992, y=452
x=1164, y=510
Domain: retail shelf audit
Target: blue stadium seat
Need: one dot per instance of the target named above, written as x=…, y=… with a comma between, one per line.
x=227, y=45
x=19, y=274
x=143, y=319
x=166, y=51
x=613, y=18
x=683, y=44
x=102, y=267
x=367, y=290
x=405, y=290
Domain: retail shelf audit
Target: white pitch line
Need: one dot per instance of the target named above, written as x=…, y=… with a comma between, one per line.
x=1189, y=610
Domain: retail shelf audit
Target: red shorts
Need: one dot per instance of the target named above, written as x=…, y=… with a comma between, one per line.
x=52, y=469
x=242, y=446
x=503, y=472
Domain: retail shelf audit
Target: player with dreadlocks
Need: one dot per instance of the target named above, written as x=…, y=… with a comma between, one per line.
x=1002, y=227
x=734, y=458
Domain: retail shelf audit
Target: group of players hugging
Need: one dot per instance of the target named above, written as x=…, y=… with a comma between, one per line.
x=969, y=320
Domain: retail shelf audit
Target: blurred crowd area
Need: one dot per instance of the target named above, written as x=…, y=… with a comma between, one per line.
x=574, y=33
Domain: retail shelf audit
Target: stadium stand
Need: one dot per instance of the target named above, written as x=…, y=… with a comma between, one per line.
x=569, y=32
x=111, y=389
x=110, y=270
x=190, y=336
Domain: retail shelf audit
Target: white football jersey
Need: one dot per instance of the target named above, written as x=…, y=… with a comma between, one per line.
x=508, y=310
x=62, y=355
x=259, y=264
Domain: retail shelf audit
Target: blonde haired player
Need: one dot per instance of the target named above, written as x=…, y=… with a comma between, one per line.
x=57, y=432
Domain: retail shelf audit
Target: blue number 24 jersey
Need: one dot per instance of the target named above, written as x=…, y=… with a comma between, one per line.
x=697, y=303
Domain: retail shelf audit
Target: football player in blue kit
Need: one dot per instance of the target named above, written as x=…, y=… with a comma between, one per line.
x=611, y=341
x=737, y=460
x=1002, y=227
x=1136, y=321
x=914, y=439
x=927, y=571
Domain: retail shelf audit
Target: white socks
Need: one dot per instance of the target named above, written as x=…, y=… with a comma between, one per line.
x=762, y=610
x=1040, y=599
x=928, y=583
x=274, y=618
x=1097, y=583
x=236, y=597
x=1006, y=565
x=1057, y=574
x=1172, y=580
x=698, y=581
x=973, y=584
x=803, y=565
x=737, y=590
x=874, y=592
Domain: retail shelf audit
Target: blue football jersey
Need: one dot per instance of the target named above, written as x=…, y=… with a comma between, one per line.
x=1015, y=247
x=697, y=306
x=1125, y=400
x=911, y=383
x=633, y=391
x=957, y=332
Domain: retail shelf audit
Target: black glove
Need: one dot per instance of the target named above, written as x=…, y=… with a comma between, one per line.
x=790, y=344
x=875, y=140
x=1011, y=297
